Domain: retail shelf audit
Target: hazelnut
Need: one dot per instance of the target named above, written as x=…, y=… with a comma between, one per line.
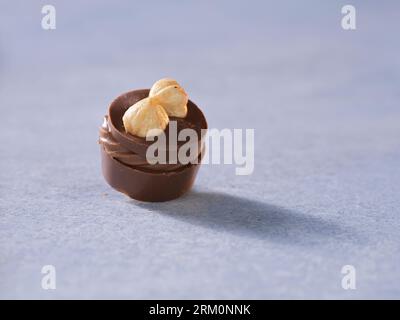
x=161, y=84
x=143, y=116
x=171, y=96
x=174, y=100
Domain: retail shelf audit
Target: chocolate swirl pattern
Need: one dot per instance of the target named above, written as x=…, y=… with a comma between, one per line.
x=114, y=149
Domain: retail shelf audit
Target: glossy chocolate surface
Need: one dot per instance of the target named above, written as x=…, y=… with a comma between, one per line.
x=124, y=163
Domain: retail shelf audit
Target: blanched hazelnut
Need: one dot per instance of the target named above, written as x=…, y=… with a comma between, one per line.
x=171, y=96
x=144, y=116
x=174, y=100
x=161, y=84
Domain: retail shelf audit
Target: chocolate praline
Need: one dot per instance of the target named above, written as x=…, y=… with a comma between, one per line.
x=123, y=155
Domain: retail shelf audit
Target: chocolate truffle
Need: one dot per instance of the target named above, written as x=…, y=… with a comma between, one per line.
x=123, y=155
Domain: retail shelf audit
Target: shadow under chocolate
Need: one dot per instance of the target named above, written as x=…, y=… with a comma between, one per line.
x=251, y=218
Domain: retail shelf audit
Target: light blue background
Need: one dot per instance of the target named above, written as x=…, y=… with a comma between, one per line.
x=325, y=192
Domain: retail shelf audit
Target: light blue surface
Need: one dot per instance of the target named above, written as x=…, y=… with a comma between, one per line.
x=325, y=192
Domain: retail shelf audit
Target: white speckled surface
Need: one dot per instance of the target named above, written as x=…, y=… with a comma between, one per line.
x=325, y=192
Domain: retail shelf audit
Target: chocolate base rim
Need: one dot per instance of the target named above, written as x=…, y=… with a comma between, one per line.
x=147, y=186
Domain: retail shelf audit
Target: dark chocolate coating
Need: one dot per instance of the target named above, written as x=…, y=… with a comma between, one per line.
x=144, y=185
x=124, y=155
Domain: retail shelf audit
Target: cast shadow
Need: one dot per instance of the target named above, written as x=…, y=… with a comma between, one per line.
x=250, y=218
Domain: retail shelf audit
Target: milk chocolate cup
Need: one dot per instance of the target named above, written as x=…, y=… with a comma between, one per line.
x=149, y=182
